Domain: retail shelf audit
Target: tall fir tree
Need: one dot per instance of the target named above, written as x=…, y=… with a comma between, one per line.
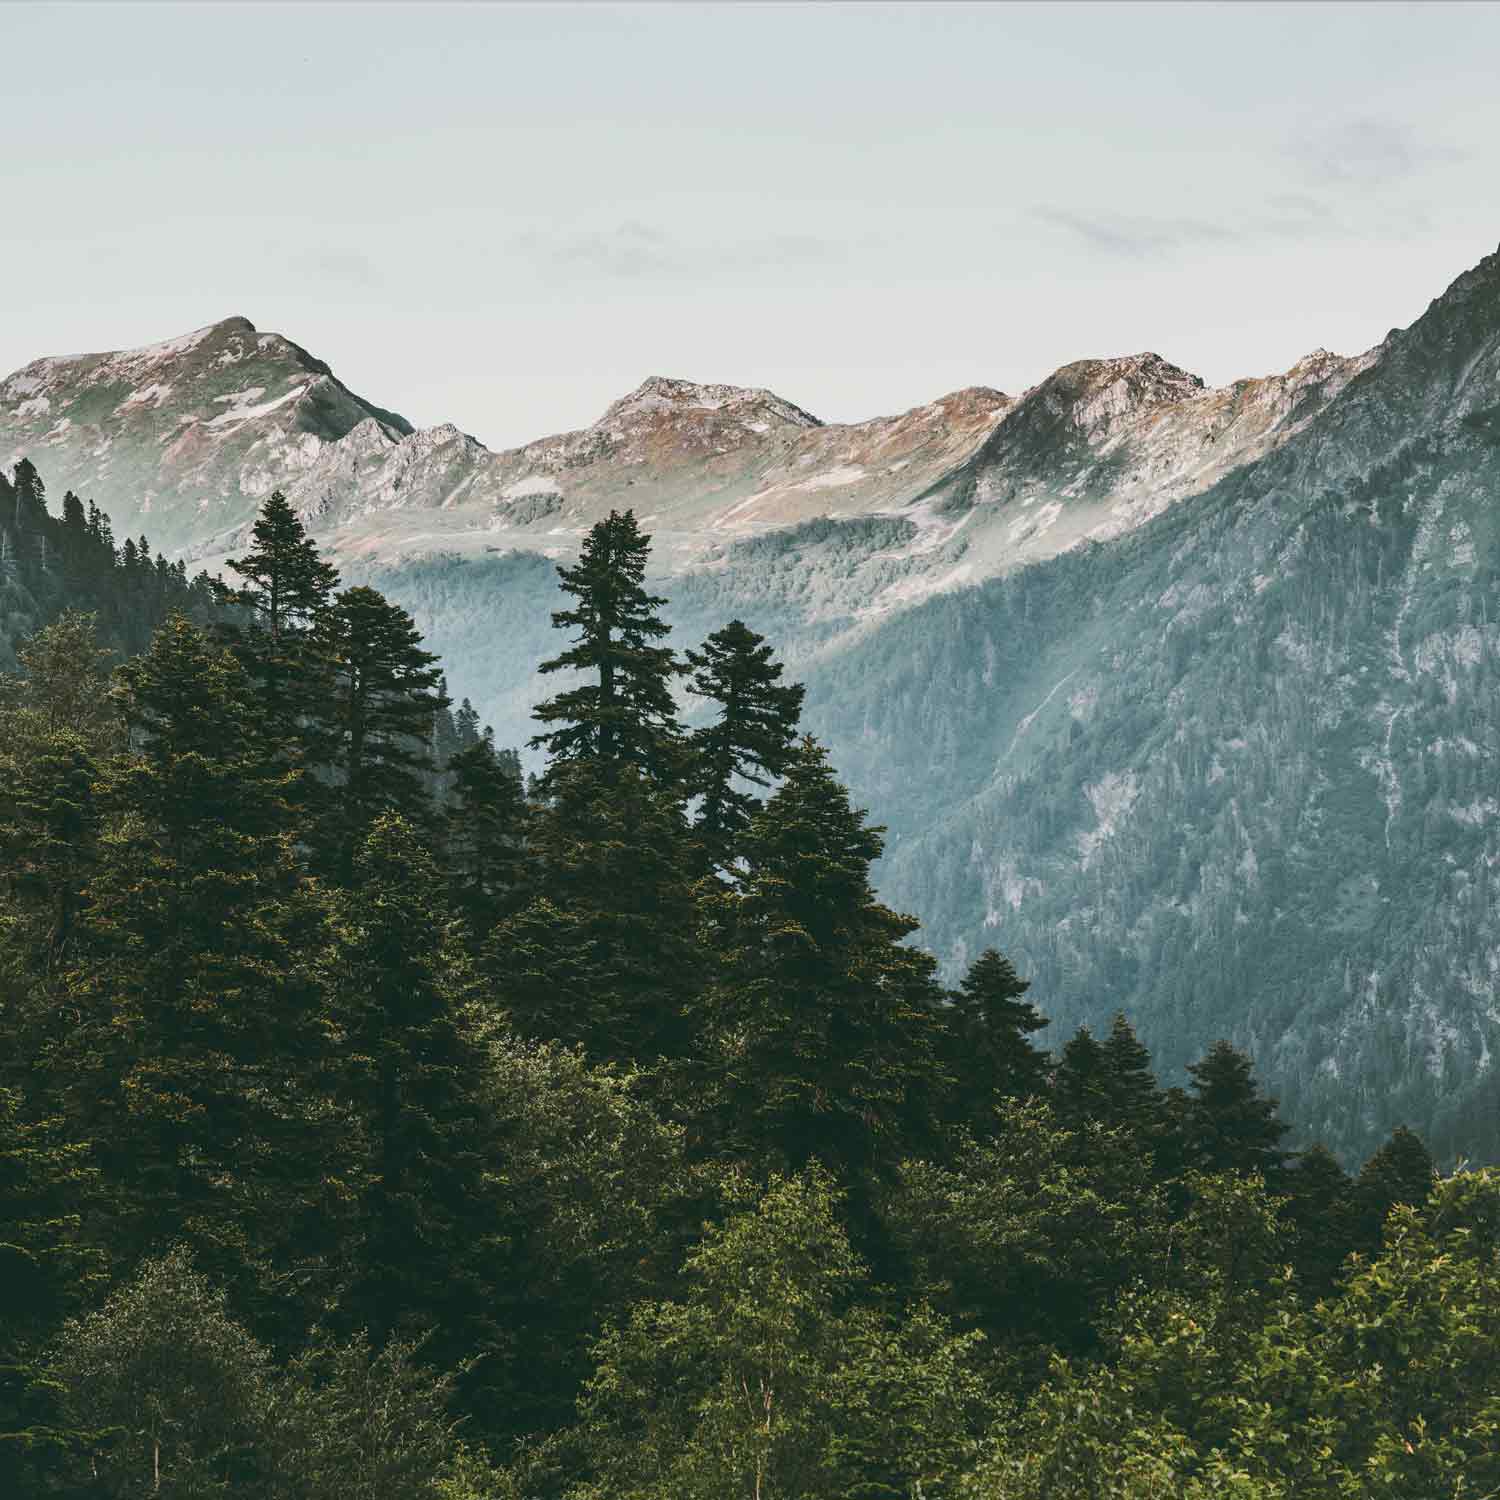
x=623, y=713
x=411, y=1070
x=986, y=1037
x=271, y=624
x=485, y=830
x=285, y=584
x=751, y=739
x=200, y=1021
x=824, y=1026
x=378, y=724
x=30, y=505
x=1230, y=1125
x=1320, y=1211
x=1080, y=1089
x=1402, y=1171
x=605, y=953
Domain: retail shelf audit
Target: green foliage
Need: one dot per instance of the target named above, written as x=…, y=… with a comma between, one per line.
x=605, y=953
x=378, y=722
x=47, y=1270
x=274, y=623
x=751, y=739
x=625, y=715
x=1034, y=1231
x=365, y=1117
x=764, y=1378
x=988, y=1051
x=484, y=834
x=187, y=1404
x=410, y=1070
x=824, y=1024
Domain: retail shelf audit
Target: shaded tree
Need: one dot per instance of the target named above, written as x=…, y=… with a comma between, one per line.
x=751, y=739
x=623, y=713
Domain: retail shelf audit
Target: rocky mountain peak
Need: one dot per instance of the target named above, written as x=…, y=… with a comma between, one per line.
x=1101, y=391
x=665, y=398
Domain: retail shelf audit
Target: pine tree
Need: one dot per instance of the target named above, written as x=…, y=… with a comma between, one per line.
x=1320, y=1211
x=48, y=1269
x=285, y=584
x=1135, y=1101
x=1401, y=1171
x=285, y=590
x=200, y=1023
x=605, y=954
x=485, y=833
x=30, y=504
x=824, y=1040
x=1231, y=1126
x=751, y=740
x=986, y=1039
x=1080, y=1089
x=624, y=713
x=378, y=722
x=412, y=1072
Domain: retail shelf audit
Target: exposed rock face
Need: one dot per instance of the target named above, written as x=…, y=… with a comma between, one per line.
x=182, y=439
x=185, y=438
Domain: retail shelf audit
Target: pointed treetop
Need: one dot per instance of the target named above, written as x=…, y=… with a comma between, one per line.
x=624, y=712
x=751, y=740
x=286, y=583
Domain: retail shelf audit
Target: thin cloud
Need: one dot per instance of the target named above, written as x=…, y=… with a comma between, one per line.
x=1137, y=236
x=1283, y=218
x=348, y=268
x=1369, y=153
x=636, y=251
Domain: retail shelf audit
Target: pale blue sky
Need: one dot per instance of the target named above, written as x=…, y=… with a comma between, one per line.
x=507, y=215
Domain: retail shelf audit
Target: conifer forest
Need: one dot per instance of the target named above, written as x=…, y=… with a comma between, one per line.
x=381, y=1122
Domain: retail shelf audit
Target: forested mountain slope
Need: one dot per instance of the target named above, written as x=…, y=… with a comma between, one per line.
x=1180, y=695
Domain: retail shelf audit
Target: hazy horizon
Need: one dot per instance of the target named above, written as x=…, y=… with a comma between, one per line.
x=507, y=216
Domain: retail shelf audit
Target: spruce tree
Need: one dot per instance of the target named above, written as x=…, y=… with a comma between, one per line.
x=1134, y=1100
x=605, y=953
x=824, y=1023
x=1231, y=1126
x=1080, y=1090
x=484, y=843
x=623, y=713
x=987, y=1044
x=285, y=590
x=378, y=721
x=285, y=584
x=30, y=500
x=412, y=1071
x=1320, y=1210
x=1401, y=1171
x=199, y=1021
x=752, y=739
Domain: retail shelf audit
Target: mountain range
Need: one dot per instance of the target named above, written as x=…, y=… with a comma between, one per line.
x=1185, y=697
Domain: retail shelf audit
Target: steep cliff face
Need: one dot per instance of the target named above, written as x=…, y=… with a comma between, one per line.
x=1184, y=696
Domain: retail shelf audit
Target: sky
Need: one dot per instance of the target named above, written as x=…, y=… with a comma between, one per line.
x=505, y=216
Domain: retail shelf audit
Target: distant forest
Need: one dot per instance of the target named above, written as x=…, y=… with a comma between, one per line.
x=377, y=1123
